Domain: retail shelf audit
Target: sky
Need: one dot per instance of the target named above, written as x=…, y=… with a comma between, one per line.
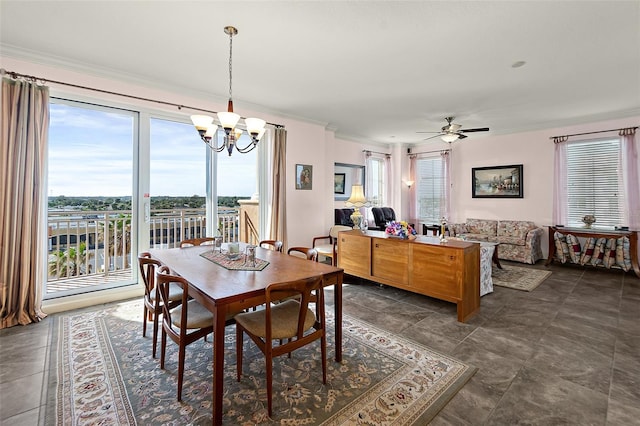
x=91, y=154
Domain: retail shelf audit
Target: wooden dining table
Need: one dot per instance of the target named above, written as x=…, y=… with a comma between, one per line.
x=223, y=291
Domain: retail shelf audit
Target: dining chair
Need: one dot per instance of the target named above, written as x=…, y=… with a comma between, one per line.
x=271, y=244
x=190, y=242
x=328, y=247
x=185, y=323
x=309, y=253
x=152, y=306
x=290, y=320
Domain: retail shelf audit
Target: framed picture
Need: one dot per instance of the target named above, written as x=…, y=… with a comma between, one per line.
x=304, y=176
x=353, y=175
x=497, y=182
x=338, y=183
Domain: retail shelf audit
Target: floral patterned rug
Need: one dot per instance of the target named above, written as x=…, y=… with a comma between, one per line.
x=519, y=278
x=105, y=375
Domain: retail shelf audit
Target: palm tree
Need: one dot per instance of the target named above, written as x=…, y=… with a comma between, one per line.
x=70, y=262
x=116, y=238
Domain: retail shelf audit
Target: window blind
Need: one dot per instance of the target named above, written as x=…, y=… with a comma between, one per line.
x=594, y=182
x=429, y=188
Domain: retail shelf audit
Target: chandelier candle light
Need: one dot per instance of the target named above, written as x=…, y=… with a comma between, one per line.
x=357, y=200
x=228, y=119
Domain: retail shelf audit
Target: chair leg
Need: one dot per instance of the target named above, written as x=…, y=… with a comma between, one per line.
x=269, y=373
x=239, y=345
x=181, y=354
x=144, y=321
x=163, y=347
x=155, y=332
x=323, y=351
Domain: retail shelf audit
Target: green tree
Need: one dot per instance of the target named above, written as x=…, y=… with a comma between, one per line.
x=70, y=262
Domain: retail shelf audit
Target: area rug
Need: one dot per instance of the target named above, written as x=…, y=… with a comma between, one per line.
x=105, y=375
x=519, y=278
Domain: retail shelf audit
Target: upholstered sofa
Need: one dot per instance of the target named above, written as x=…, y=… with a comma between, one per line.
x=519, y=240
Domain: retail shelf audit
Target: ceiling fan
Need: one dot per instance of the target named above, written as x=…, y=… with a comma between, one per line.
x=452, y=131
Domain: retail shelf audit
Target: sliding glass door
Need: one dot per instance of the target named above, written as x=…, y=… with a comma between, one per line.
x=90, y=193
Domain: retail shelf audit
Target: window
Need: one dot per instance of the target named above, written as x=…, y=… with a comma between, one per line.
x=594, y=183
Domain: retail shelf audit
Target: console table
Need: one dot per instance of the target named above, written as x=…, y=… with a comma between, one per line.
x=596, y=233
x=448, y=271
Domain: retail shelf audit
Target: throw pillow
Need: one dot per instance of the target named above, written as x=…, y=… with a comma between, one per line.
x=459, y=228
x=609, y=258
x=587, y=251
x=598, y=252
x=623, y=257
x=574, y=248
x=562, y=249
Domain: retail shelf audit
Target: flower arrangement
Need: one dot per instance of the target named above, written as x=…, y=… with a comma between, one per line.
x=400, y=229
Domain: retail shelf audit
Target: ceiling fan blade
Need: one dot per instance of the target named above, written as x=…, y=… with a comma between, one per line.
x=429, y=132
x=461, y=136
x=479, y=129
x=431, y=137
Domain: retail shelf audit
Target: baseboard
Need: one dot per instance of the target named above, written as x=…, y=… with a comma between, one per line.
x=69, y=303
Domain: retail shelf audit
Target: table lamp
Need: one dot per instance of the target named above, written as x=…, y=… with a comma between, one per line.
x=357, y=200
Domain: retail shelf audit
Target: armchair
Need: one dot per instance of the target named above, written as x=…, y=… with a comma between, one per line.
x=343, y=217
x=382, y=215
x=328, y=248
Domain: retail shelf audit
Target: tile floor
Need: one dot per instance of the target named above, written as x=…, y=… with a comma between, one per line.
x=567, y=353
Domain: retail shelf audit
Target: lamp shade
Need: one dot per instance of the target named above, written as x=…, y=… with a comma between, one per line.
x=211, y=132
x=357, y=198
x=201, y=122
x=228, y=120
x=254, y=125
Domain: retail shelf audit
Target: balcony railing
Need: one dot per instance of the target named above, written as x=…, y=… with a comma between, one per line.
x=94, y=247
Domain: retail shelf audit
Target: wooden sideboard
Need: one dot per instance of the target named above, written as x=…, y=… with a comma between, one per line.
x=447, y=271
x=596, y=233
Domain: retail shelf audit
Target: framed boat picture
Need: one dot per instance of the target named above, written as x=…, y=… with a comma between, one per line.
x=497, y=182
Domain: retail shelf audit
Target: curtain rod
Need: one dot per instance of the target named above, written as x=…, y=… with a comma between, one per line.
x=565, y=137
x=427, y=152
x=14, y=75
x=375, y=152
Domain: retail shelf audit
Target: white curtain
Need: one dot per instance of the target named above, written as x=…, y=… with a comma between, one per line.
x=559, y=214
x=413, y=198
x=387, y=194
x=445, y=203
x=629, y=161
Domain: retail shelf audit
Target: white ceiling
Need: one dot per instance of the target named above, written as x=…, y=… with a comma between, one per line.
x=373, y=71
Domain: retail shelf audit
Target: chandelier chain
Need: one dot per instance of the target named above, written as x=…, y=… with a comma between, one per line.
x=230, y=63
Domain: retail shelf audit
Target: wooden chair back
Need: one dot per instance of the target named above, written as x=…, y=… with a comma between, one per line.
x=286, y=316
x=272, y=245
x=151, y=305
x=308, y=252
x=184, y=324
x=190, y=242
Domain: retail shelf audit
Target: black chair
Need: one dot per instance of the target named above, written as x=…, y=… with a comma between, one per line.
x=343, y=217
x=382, y=216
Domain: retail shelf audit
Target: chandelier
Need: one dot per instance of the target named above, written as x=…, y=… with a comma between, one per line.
x=208, y=130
